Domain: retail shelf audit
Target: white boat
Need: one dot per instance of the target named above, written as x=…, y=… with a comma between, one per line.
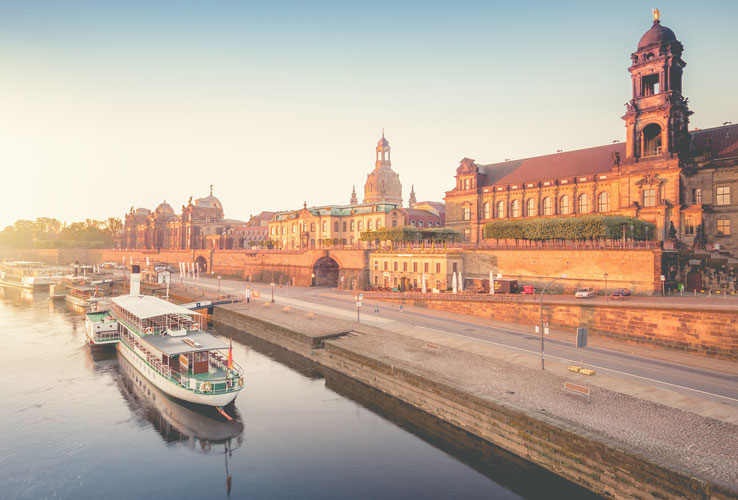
x=166, y=344
x=32, y=276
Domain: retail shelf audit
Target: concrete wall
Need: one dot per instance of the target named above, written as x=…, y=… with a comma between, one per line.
x=638, y=270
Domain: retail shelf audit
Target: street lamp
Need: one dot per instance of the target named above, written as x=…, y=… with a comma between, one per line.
x=218, y=285
x=605, y=287
x=541, y=315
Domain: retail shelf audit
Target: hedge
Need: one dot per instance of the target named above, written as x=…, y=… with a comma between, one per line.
x=570, y=228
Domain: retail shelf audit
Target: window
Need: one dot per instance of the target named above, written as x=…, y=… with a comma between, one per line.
x=583, y=204
x=467, y=213
x=425, y=267
x=530, y=209
x=412, y=223
x=415, y=267
x=361, y=225
x=352, y=226
x=723, y=227
x=344, y=227
x=325, y=226
x=284, y=229
x=651, y=140
x=272, y=231
x=603, y=202
x=376, y=265
x=379, y=224
x=650, y=84
x=564, y=208
x=688, y=226
x=515, y=208
x=420, y=223
x=500, y=209
x=467, y=183
x=649, y=197
x=486, y=211
x=394, y=222
x=335, y=227
x=376, y=279
x=394, y=266
x=294, y=228
x=404, y=266
x=723, y=195
x=385, y=265
x=438, y=267
x=697, y=196
x=467, y=234
x=312, y=227
x=547, y=206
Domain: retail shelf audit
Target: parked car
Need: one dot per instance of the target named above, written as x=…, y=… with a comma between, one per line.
x=620, y=293
x=585, y=293
x=528, y=290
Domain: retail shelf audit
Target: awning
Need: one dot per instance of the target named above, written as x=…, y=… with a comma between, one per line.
x=198, y=341
x=147, y=306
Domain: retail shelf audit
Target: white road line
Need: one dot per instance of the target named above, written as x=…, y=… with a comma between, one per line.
x=573, y=361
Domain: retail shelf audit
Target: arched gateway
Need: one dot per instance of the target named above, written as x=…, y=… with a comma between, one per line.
x=202, y=264
x=325, y=272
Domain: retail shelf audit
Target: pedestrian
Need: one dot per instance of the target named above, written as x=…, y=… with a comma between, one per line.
x=376, y=309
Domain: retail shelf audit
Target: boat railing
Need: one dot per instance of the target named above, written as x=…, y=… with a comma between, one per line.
x=107, y=336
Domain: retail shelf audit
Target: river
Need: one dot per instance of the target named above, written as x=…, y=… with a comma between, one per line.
x=82, y=423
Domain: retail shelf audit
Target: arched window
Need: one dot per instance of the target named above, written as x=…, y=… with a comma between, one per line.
x=344, y=227
x=467, y=183
x=530, y=209
x=335, y=227
x=312, y=227
x=394, y=222
x=515, y=208
x=651, y=140
x=294, y=227
x=547, y=206
x=500, y=209
x=379, y=223
x=368, y=224
x=325, y=226
x=361, y=225
x=412, y=223
x=420, y=223
x=485, y=210
x=564, y=205
x=603, y=202
x=583, y=206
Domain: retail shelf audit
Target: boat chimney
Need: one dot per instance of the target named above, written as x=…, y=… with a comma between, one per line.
x=135, y=279
x=76, y=268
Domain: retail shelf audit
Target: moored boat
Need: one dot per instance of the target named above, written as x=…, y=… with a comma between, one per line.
x=166, y=344
x=32, y=276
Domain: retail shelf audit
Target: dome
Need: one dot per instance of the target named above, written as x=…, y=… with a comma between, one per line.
x=383, y=185
x=209, y=202
x=383, y=142
x=656, y=35
x=164, y=209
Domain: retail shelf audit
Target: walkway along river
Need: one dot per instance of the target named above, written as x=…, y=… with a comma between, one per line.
x=81, y=423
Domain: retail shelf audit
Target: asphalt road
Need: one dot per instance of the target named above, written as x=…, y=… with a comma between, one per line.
x=716, y=385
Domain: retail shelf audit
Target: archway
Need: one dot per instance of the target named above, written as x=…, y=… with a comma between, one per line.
x=202, y=264
x=694, y=280
x=325, y=272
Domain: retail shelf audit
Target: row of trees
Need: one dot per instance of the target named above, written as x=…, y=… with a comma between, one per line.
x=571, y=228
x=46, y=232
x=411, y=234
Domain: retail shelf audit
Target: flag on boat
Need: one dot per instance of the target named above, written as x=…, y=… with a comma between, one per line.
x=230, y=355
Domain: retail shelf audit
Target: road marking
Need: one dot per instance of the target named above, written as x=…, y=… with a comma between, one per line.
x=573, y=360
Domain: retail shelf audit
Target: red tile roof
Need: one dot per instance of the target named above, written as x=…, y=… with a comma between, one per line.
x=556, y=166
x=724, y=141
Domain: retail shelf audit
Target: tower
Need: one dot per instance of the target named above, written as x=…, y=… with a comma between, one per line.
x=657, y=117
x=354, y=200
x=383, y=183
x=411, y=201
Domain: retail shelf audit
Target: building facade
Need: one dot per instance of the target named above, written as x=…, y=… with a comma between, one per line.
x=683, y=181
x=319, y=226
x=406, y=271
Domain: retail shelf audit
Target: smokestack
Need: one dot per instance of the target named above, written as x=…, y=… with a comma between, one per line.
x=135, y=280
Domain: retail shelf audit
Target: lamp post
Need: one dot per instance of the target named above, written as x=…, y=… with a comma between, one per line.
x=272, y=284
x=541, y=315
x=218, y=285
x=605, y=287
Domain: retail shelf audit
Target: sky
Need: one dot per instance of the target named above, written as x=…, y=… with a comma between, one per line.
x=109, y=105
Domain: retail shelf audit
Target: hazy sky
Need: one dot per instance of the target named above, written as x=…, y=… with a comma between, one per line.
x=108, y=105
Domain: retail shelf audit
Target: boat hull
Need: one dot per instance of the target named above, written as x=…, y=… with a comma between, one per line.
x=165, y=385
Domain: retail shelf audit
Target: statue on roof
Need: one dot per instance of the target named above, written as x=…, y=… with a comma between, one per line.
x=656, y=14
x=211, y=190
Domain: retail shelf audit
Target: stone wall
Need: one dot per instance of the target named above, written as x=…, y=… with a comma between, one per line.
x=703, y=329
x=638, y=270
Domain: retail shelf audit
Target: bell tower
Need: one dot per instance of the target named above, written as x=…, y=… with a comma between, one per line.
x=657, y=117
x=383, y=153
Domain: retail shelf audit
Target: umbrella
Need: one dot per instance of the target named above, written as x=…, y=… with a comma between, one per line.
x=423, y=280
x=454, y=285
x=461, y=282
x=491, y=284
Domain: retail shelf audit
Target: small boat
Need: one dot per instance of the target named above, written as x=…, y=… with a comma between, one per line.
x=32, y=276
x=166, y=344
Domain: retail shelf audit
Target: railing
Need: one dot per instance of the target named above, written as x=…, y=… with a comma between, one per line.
x=107, y=336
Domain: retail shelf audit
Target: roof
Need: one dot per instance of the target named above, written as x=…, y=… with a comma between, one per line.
x=176, y=345
x=147, y=306
x=724, y=141
x=656, y=35
x=554, y=166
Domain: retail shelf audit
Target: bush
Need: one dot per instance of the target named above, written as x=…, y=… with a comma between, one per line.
x=570, y=228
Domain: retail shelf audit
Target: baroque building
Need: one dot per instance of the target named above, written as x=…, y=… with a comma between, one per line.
x=200, y=225
x=318, y=226
x=683, y=181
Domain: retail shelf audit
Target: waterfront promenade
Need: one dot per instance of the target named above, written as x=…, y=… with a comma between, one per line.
x=658, y=437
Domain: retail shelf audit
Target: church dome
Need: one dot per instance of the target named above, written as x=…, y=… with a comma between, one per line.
x=164, y=208
x=656, y=35
x=209, y=202
x=383, y=184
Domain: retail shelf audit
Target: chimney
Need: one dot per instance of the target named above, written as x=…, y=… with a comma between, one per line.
x=135, y=280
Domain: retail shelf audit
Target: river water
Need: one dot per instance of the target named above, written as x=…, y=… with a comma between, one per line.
x=82, y=423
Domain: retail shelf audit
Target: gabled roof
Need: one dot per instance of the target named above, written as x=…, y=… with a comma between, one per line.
x=724, y=141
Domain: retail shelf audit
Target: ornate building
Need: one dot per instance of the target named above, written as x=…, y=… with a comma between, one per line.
x=662, y=172
x=194, y=228
x=343, y=224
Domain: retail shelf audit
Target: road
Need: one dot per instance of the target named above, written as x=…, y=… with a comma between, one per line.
x=652, y=367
